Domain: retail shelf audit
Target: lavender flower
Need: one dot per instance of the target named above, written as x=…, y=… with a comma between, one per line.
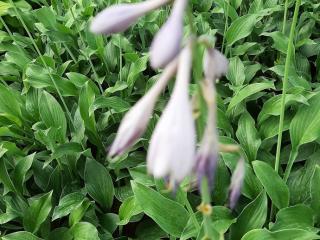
x=166, y=44
x=215, y=64
x=172, y=147
x=136, y=120
x=236, y=183
x=120, y=17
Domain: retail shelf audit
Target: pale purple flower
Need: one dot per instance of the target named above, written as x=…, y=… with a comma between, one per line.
x=215, y=64
x=119, y=17
x=167, y=42
x=236, y=183
x=207, y=155
x=172, y=147
x=136, y=120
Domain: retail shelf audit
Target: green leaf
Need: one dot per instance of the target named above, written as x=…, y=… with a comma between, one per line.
x=280, y=41
x=248, y=136
x=248, y=91
x=37, y=213
x=298, y=217
x=67, y=204
x=305, y=126
x=52, y=115
x=274, y=185
x=99, y=183
x=84, y=231
x=315, y=193
x=20, y=236
x=287, y=234
x=20, y=171
x=252, y=216
x=115, y=103
x=241, y=28
x=169, y=215
x=9, y=105
x=5, y=177
x=128, y=209
x=236, y=74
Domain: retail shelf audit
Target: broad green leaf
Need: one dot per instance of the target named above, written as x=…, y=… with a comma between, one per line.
x=252, y=216
x=287, y=234
x=20, y=171
x=78, y=213
x=52, y=115
x=248, y=91
x=84, y=231
x=67, y=204
x=9, y=105
x=305, y=126
x=99, y=183
x=128, y=209
x=248, y=136
x=20, y=236
x=169, y=215
x=298, y=217
x=37, y=213
x=274, y=185
x=115, y=103
x=272, y=107
x=236, y=74
x=241, y=28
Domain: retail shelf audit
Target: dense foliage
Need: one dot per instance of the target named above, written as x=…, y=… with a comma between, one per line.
x=63, y=93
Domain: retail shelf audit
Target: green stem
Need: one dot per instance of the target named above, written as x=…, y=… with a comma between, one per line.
x=225, y=26
x=190, y=210
x=43, y=61
x=286, y=6
x=206, y=200
x=292, y=158
x=285, y=82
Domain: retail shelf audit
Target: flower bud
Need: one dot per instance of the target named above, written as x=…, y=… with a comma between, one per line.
x=167, y=42
x=215, y=64
x=172, y=146
x=236, y=183
x=118, y=18
x=136, y=120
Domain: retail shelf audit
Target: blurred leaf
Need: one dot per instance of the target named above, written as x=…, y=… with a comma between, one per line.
x=169, y=215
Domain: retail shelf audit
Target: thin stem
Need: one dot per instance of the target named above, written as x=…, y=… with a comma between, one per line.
x=286, y=6
x=43, y=61
x=206, y=204
x=70, y=53
x=285, y=82
x=225, y=25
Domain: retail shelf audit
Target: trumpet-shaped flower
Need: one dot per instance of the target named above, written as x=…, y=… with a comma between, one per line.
x=118, y=18
x=215, y=64
x=166, y=44
x=136, y=120
x=236, y=183
x=172, y=146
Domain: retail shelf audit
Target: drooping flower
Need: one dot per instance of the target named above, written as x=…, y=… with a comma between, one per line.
x=172, y=147
x=215, y=64
x=119, y=17
x=167, y=42
x=236, y=183
x=207, y=155
x=136, y=120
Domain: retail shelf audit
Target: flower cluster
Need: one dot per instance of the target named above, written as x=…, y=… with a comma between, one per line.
x=172, y=151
